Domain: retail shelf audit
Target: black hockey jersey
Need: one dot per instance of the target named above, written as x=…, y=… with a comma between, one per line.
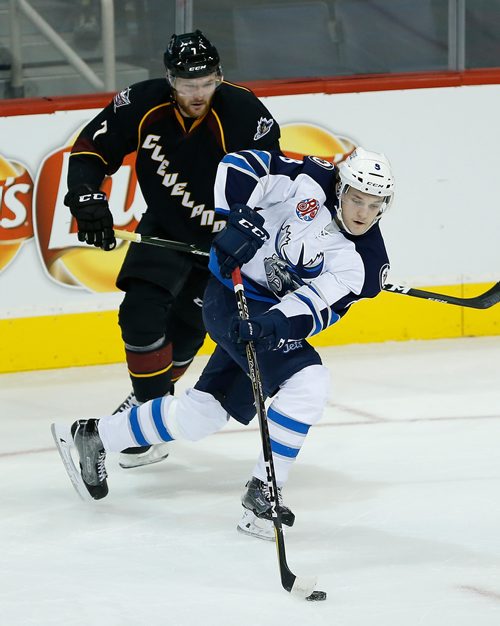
x=175, y=163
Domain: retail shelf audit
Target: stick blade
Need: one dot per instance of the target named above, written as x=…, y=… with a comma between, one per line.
x=303, y=586
x=491, y=297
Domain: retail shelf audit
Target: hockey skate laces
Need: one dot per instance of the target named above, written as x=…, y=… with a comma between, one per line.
x=267, y=494
x=101, y=469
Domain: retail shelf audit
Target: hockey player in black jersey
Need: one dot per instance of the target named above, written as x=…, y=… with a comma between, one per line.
x=180, y=128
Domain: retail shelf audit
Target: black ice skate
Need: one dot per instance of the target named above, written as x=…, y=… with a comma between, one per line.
x=90, y=479
x=257, y=518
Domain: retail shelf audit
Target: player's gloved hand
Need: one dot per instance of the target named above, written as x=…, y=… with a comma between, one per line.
x=242, y=236
x=269, y=331
x=91, y=210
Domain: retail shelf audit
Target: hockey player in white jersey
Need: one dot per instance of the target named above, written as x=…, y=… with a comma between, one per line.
x=307, y=239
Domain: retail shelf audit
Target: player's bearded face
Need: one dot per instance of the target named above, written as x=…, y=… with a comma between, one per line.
x=359, y=210
x=193, y=95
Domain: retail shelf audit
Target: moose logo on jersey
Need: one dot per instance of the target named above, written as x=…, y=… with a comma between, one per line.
x=307, y=209
x=284, y=274
x=280, y=278
x=304, y=267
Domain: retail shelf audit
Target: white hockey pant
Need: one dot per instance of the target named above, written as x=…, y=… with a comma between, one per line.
x=298, y=405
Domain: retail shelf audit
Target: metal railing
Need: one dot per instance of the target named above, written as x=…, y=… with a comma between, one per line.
x=183, y=16
x=23, y=9
x=18, y=7
x=456, y=35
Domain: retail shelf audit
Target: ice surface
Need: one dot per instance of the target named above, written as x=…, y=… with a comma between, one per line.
x=396, y=493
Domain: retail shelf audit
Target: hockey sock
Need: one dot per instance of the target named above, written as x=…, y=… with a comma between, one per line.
x=297, y=406
x=179, y=368
x=150, y=370
x=192, y=416
x=287, y=436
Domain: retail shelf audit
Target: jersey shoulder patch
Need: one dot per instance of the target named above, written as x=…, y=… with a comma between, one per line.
x=141, y=96
x=263, y=127
x=327, y=165
x=307, y=209
x=122, y=98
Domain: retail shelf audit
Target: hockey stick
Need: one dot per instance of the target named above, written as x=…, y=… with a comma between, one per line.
x=303, y=587
x=180, y=246
x=483, y=301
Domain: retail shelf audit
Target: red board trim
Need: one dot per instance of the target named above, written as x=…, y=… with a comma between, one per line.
x=350, y=84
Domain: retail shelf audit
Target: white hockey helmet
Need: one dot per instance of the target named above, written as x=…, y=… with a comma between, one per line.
x=369, y=172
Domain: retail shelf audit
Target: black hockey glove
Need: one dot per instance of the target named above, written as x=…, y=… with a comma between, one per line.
x=242, y=236
x=94, y=219
x=269, y=331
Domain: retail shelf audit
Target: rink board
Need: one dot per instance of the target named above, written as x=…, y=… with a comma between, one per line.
x=55, y=341
x=58, y=300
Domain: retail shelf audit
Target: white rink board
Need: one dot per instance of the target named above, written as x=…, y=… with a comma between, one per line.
x=443, y=144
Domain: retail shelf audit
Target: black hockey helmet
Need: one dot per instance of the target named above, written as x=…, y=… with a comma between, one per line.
x=191, y=55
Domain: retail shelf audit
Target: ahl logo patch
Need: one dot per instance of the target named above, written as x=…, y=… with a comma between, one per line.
x=307, y=209
x=121, y=99
x=326, y=164
x=263, y=127
x=384, y=271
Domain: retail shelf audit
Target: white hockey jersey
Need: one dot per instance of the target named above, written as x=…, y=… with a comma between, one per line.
x=308, y=269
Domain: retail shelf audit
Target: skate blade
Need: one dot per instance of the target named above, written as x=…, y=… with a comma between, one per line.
x=155, y=454
x=64, y=443
x=254, y=526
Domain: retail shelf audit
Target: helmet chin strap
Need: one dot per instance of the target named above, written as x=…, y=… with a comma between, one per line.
x=338, y=218
x=341, y=189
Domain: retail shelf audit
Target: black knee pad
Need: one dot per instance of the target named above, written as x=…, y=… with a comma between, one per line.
x=144, y=313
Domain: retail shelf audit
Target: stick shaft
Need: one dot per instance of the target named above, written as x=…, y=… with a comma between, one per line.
x=180, y=246
x=483, y=301
x=287, y=577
